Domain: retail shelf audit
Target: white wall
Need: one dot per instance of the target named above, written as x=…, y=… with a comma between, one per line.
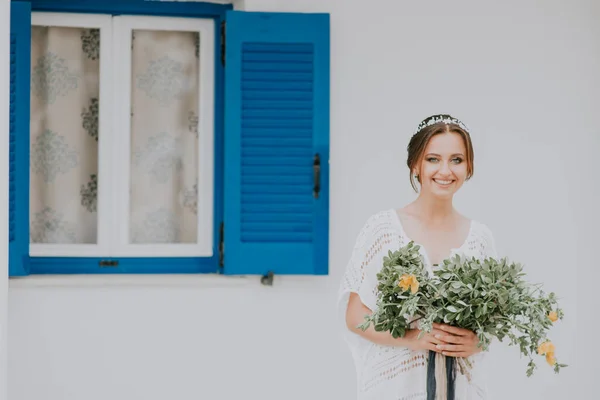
x=524, y=78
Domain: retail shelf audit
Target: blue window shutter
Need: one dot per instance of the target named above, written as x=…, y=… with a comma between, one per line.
x=276, y=130
x=20, y=48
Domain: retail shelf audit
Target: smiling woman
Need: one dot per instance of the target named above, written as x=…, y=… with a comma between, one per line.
x=440, y=160
x=425, y=143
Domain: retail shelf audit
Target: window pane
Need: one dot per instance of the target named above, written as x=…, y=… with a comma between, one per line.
x=65, y=73
x=164, y=137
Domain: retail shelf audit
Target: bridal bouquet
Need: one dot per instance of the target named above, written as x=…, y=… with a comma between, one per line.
x=488, y=297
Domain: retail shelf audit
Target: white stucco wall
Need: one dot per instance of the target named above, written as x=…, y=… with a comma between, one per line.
x=522, y=74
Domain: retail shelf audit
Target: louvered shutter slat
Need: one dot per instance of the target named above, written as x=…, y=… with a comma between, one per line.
x=277, y=94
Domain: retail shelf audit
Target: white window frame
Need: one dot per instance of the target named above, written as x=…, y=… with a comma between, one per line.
x=103, y=246
x=114, y=137
x=123, y=27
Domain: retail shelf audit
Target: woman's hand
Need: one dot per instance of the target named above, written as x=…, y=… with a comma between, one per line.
x=429, y=341
x=458, y=342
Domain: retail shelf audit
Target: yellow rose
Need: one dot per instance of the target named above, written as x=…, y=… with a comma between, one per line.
x=553, y=316
x=409, y=282
x=405, y=282
x=414, y=287
x=550, y=359
x=545, y=348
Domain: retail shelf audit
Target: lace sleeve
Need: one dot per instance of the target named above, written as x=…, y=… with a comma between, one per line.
x=365, y=262
x=354, y=276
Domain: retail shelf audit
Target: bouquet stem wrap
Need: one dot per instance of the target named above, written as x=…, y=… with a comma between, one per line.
x=441, y=377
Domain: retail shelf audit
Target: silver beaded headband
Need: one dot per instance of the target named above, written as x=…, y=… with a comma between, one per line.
x=441, y=119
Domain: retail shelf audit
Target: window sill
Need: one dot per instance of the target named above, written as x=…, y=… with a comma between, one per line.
x=134, y=280
x=208, y=281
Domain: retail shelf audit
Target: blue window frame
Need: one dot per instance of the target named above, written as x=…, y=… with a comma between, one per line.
x=18, y=248
x=271, y=194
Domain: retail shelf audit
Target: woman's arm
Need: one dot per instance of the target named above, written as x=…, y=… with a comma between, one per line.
x=355, y=314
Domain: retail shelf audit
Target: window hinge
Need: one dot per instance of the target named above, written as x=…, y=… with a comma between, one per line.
x=316, y=176
x=267, y=279
x=223, y=27
x=222, y=245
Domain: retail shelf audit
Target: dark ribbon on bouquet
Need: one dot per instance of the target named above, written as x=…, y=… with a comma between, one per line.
x=449, y=365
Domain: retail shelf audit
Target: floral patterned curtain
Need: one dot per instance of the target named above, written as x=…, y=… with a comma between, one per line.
x=164, y=145
x=64, y=135
x=65, y=83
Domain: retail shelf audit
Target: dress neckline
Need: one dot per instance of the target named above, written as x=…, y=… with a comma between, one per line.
x=422, y=248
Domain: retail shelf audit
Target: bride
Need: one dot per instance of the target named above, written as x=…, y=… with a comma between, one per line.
x=440, y=160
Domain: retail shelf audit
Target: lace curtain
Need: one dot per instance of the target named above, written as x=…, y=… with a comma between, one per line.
x=65, y=83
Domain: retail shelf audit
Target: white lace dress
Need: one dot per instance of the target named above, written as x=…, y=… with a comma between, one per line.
x=397, y=373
